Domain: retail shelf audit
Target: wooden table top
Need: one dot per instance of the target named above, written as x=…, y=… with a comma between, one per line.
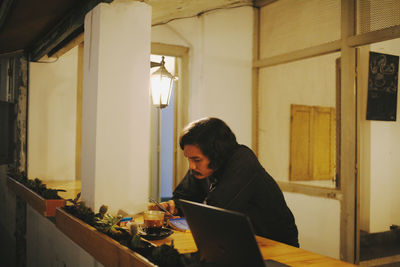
x=72, y=187
x=184, y=243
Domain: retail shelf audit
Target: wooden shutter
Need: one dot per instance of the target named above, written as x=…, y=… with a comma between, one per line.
x=323, y=143
x=300, y=149
x=312, y=143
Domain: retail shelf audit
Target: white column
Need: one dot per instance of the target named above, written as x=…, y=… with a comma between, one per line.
x=116, y=106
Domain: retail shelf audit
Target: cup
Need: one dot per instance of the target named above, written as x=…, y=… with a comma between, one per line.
x=153, y=221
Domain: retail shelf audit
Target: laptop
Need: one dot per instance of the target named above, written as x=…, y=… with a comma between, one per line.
x=223, y=237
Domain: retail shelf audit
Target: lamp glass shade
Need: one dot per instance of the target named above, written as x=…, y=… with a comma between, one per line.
x=161, y=86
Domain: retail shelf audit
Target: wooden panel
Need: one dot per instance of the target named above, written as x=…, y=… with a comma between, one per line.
x=103, y=248
x=293, y=256
x=309, y=52
x=348, y=139
x=374, y=36
x=270, y=249
x=71, y=187
x=312, y=143
x=79, y=91
x=310, y=190
x=183, y=242
x=300, y=150
x=280, y=35
x=323, y=143
x=46, y=207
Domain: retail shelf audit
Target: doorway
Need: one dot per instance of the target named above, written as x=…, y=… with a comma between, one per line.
x=168, y=165
x=163, y=122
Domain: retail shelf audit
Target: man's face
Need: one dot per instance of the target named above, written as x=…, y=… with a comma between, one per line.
x=198, y=163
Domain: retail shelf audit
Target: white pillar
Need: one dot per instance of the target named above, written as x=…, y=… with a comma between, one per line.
x=116, y=106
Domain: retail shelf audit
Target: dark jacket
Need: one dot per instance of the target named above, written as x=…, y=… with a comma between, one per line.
x=243, y=185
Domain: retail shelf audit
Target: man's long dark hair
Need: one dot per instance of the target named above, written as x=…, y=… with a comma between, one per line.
x=214, y=138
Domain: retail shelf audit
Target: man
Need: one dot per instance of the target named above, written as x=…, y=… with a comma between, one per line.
x=224, y=174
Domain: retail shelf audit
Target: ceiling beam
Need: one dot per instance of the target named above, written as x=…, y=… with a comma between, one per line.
x=71, y=24
x=261, y=3
x=5, y=8
x=68, y=45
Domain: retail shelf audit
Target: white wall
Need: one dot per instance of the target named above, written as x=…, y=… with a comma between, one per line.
x=220, y=52
x=52, y=118
x=48, y=246
x=318, y=222
x=305, y=82
x=382, y=152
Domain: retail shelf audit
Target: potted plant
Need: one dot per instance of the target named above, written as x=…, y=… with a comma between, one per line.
x=34, y=192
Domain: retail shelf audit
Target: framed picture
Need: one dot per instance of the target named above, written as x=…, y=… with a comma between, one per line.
x=382, y=87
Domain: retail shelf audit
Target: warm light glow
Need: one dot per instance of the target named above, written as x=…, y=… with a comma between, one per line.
x=161, y=86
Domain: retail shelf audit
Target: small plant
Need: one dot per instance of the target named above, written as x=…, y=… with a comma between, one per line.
x=80, y=210
x=102, y=221
x=35, y=185
x=109, y=225
x=163, y=256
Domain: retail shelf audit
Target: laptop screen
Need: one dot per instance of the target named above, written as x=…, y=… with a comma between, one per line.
x=222, y=237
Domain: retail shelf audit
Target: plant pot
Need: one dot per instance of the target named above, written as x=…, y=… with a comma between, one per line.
x=46, y=207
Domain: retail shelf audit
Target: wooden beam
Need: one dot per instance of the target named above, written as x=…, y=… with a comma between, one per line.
x=255, y=81
x=348, y=138
x=374, y=36
x=5, y=7
x=261, y=3
x=299, y=54
x=309, y=190
x=167, y=49
x=68, y=26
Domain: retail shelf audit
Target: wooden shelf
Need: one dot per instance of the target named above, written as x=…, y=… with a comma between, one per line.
x=71, y=187
x=102, y=247
x=46, y=207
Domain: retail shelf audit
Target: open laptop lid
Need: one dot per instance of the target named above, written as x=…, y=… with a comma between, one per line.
x=222, y=237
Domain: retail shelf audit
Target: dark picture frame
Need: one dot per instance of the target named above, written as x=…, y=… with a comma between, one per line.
x=382, y=86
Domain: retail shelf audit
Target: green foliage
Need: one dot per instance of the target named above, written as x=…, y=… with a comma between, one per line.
x=80, y=210
x=163, y=256
x=102, y=221
x=35, y=185
x=108, y=224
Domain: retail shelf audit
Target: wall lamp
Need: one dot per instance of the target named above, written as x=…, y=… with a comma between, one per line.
x=161, y=84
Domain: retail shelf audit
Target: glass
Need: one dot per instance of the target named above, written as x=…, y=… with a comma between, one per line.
x=153, y=221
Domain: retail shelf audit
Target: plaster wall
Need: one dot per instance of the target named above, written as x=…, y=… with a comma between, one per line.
x=48, y=246
x=318, y=222
x=52, y=118
x=220, y=64
x=313, y=83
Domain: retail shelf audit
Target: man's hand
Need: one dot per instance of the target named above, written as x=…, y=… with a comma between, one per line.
x=167, y=205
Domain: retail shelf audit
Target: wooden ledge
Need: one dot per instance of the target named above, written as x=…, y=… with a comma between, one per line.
x=46, y=207
x=102, y=247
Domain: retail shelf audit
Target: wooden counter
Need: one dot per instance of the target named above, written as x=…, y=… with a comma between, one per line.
x=72, y=187
x=184, y=243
